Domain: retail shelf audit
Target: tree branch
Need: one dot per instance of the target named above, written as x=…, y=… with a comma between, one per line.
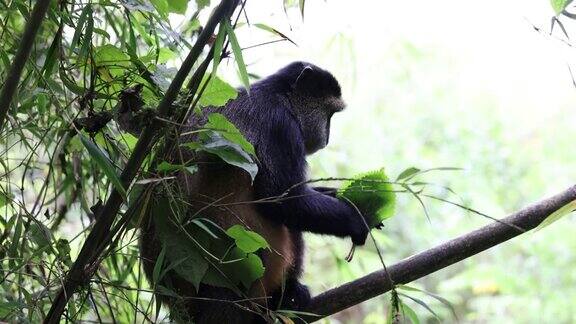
x=13, y=77
x=439, y=257
x=98, y=239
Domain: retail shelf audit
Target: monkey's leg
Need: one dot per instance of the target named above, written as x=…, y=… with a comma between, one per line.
x=295, y=296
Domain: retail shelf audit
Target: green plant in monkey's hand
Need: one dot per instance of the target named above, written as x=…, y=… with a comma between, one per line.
x=373, y=194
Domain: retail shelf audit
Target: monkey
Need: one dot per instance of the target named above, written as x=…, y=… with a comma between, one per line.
x=286, y=116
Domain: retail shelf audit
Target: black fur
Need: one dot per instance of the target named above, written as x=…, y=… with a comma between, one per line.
x=267, y=119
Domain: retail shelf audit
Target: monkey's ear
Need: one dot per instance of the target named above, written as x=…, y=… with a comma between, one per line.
x=306, y=80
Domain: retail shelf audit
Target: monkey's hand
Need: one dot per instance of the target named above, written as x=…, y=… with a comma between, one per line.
x=358, y=229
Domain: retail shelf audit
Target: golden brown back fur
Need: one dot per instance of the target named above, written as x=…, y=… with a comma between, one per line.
x=223, y=194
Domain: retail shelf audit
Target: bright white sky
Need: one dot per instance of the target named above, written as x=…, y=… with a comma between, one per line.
x=494, y=38
x=492, y=50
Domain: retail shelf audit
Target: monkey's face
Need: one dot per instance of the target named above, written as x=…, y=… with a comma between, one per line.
x=314, y=115
x=315, y=97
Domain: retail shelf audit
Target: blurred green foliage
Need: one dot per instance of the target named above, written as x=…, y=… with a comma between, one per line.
x=411, y=104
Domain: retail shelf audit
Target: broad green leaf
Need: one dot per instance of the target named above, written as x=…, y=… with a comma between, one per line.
x=217, y=92
x=247, y=241
x=240, y=268
x=167, y=167
x=229, y=152
x=182, y=253
x=162, y=7
x=110, y=55
x=105, y=165
x=165, y=55
x=559, y=5
x=128, y=139
x=254, y=269
x=238, y=55
x=222, y=125
x=40, y=234
x=178, y=6
x=373, y=194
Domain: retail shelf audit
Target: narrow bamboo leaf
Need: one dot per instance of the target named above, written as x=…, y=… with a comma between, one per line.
x=421, y=303
x=87, y=40
x=443, y=300
x=238, y=56
x=51, y=56
x=567, y=209
x=158, y=265
x=407, y=173
x=13, y=250
x=102, y=32
x=80, y=26
x=3, y=199
x=273, y=31
x=218, y=44
x=104, y=163
x=200, y=223
x=410, y=313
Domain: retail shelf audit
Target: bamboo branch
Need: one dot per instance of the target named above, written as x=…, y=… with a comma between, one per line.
x=434, y=259
x=13, y=77
x=98, y=239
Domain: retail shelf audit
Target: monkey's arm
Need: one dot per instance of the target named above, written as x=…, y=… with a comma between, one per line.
x=283, y=166
x=305, y=209
x=329, y=191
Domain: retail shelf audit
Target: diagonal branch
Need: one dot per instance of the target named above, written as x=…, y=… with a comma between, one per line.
x=439, y=257
x=13, y=77
x=98, y=239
